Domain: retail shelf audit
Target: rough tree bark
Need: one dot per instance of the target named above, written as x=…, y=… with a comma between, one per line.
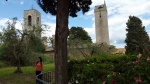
x=18, y=54
x=61, y=35
x=18, y=70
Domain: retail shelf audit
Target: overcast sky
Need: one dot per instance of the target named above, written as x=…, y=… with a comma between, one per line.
x=118, y=14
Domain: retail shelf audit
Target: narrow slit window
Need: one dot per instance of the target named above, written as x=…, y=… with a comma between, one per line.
x=37, y=20
x=29, y=20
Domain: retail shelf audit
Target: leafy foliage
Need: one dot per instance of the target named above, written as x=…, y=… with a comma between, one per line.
x=35, y=43
x=50, y=6
x=62, y=8
x=120, y=69
x=80, y=34
x=78, y=42
x=137, y=37
x=13, y=47
x=19, y=47
x=91, y=70
x=102, y=48
x=79, y=49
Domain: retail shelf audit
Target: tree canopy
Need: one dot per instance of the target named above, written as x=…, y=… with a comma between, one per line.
x=136, y=36
x=62, y=9
x=50, y=6
x=79, y=33
x=19, y=46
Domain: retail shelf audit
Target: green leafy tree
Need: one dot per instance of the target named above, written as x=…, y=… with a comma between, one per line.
x=78, y=42
x=81, y=46
x=79, y=33
x=78, y=48
x=136, y=36
x=62, y=9
x=35, y=43
x=13, y=45
x=17, y=46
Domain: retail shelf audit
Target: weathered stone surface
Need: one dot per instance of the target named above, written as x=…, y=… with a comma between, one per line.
x=101, y=24
x=33, y=17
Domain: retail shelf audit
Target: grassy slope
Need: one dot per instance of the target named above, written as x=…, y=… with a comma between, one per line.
x=7, y=75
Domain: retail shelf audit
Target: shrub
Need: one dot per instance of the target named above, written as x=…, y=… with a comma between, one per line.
x=48, y=59
x=121, y=69
x=91, y=70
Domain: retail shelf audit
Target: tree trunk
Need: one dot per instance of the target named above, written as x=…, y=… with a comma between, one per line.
x=18, y=70
x=61, y=34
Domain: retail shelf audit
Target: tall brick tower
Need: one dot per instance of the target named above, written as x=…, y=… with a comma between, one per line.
x=101, y=24
x=32, y=19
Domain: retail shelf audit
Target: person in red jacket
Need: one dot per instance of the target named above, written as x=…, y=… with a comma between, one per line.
x=39, y=67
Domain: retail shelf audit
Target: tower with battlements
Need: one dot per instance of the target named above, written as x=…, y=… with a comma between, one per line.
x=101, y=24
x=32, y=20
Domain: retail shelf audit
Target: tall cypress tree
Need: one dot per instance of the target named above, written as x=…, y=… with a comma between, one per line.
x=136, y=36
x=63, y=9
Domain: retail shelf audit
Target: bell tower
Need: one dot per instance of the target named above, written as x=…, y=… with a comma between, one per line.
x=32, y=20
x=101, y=24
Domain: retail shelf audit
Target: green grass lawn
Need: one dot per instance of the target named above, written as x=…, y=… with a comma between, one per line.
x=7, y=75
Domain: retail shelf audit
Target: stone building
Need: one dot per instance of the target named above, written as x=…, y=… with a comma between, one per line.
x=32, y=19
x=101, y=24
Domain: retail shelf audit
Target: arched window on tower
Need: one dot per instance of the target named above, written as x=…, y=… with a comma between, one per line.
x=37, y=20
x=29, y=20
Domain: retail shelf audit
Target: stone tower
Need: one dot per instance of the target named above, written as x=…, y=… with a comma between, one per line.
x=32, y=19
x=101, y=24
